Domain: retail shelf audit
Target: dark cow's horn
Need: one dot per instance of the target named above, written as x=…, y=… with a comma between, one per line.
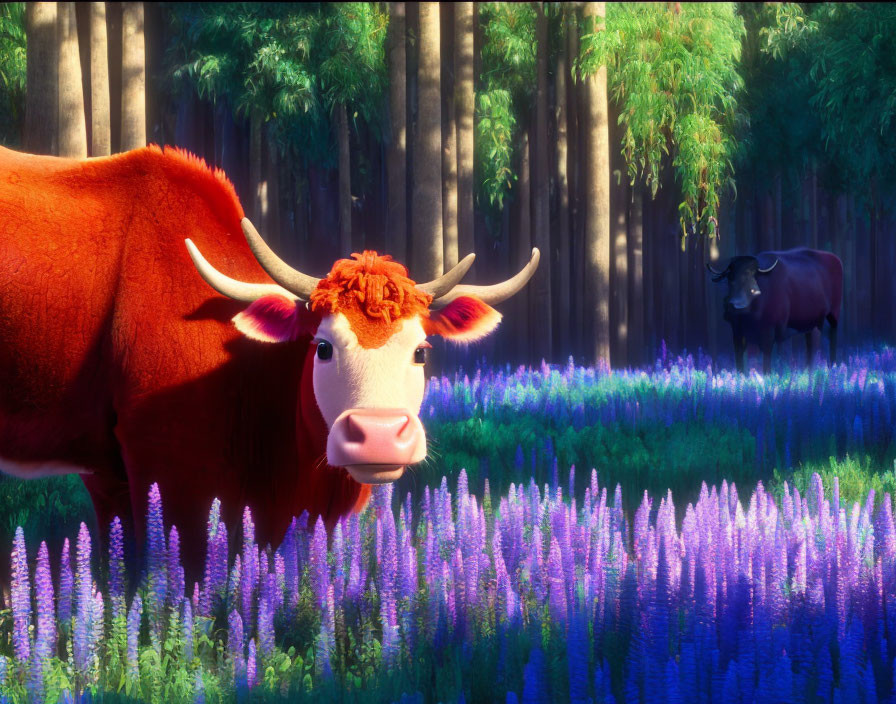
x=447, y=281
x=715, y=272
x=496, y=293
x=291, y=279
x=237, y=290
x=765, y=271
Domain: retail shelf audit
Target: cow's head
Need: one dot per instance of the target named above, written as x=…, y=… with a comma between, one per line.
x=743, y=276
x=367, y=323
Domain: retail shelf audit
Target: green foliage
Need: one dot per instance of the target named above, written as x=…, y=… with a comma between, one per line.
x=857, y=476
x=783, y=134
x=47, y=509
x=286, y=63
x=674, y=76
x=843, y=58
x=652, y=457
x=12, y=71
x=506, y=92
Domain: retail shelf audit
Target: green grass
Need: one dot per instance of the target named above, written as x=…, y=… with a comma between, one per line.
x=857, y=475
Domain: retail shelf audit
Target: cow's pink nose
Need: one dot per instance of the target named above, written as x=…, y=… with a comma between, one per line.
x=376, y=436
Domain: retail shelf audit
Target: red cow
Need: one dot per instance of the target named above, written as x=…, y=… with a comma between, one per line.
x=119, y=363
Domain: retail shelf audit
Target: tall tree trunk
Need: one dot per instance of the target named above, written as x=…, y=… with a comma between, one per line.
x=521, y=246
x=635, y=267
x=541, y=283
x=257, y=186
x=449, y=138
x=597, y=221
x=814, y=204
x=574, y=166
x=874, y=241
x=562, y=284
x=464, y=102
x=100, y=126
x=396, y=158
x=133, y=80
x=72, y=125
x=767, y=229
x=779, y=215
x=426, y=203
x=41, y=92
x=272, y=221
x=619, y=197
x=345, y=182
x=649, y=278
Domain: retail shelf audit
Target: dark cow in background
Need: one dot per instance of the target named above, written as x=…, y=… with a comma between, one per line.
x=775, y=295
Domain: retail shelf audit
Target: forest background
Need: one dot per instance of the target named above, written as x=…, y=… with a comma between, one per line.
x=631, y=143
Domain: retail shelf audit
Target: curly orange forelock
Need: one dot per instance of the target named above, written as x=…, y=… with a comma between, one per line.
x=373, y=292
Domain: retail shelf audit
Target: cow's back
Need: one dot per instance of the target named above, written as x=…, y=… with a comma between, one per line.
x=806, y=287
x=97, y=289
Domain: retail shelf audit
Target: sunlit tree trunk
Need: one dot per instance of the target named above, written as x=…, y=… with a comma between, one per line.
x=41, y=93
x=597, y=202
x=100, y=125
x=636, y=277
x=464, y=101
x=72, y=125
x=449, y=141
x=521, y=246
x=619, y=196
x=541, y=283
x=562, y=283
x=396, y=157
x=345, y=182
x=576, y=212
x=133, y=77
x=426, y=203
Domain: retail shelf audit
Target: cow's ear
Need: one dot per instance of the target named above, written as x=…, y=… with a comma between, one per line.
x=276, y=319
x=465, y=319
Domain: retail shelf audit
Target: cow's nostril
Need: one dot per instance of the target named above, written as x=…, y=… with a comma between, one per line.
x=355, y=430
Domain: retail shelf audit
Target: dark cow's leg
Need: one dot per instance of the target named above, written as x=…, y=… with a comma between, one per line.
x=766, y=344
x=740, y=348
x=832, y=321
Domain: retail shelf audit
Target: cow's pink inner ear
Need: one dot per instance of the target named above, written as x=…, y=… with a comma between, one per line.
x=276, y=319
x=465, y=319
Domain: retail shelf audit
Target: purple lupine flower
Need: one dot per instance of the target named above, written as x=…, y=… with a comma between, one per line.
x=320, y=570
x=156, y=564
x=249, y=576
x=20, y=594
x=216, y=560
x=325, y=642
x=134, y=616
x=251, y=666
x=198, y=688
x=98, y=622
x=175, y=587
x=235, y=644
x=266, y=606
x=83, y=627
x=557, y=585
x=236, y=579
x=188, y=631
x=66, y=586
x=196, y=600
x=116, y=568
x=45, y=642
x=280, y=573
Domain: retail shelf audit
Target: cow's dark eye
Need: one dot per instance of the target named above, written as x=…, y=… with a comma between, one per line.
x=420, y=355
x=324, y=350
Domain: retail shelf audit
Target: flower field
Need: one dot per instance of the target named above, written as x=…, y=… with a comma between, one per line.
x=522, y=578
